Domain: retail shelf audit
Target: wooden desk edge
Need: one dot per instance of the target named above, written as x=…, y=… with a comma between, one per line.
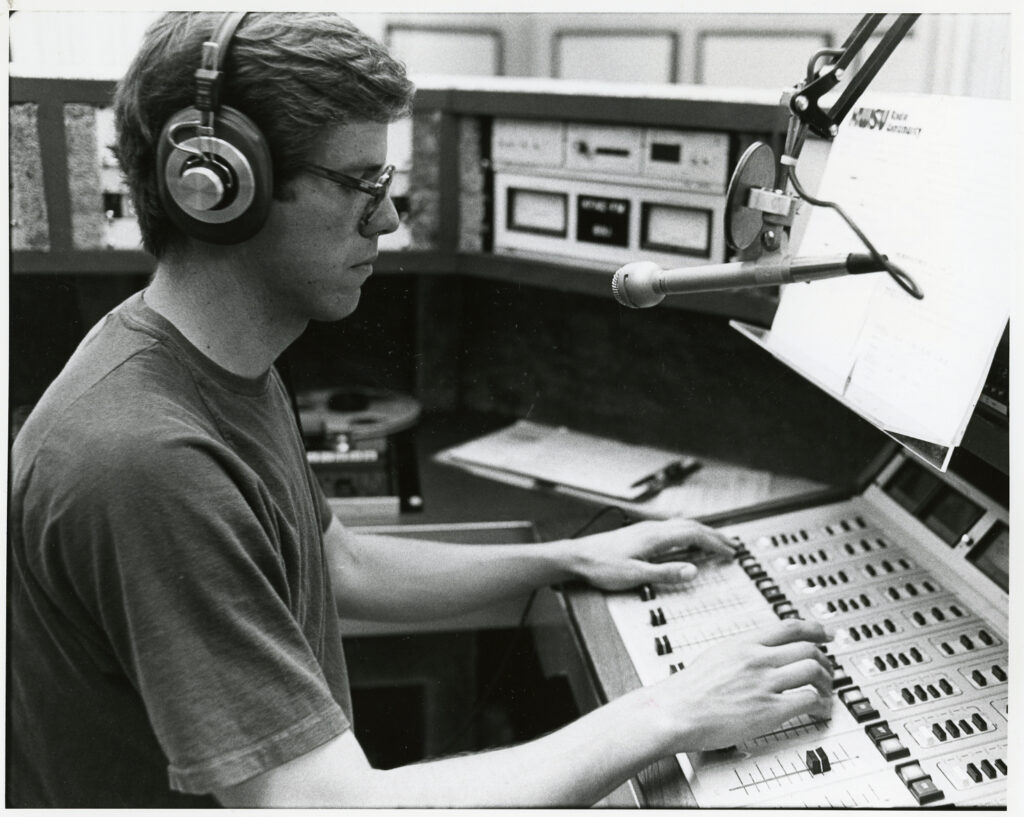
x=662, y=784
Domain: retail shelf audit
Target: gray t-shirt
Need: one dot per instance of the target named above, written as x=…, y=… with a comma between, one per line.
x=171, y=624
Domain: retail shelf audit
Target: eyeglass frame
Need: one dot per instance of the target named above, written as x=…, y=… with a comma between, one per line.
x=377, y=190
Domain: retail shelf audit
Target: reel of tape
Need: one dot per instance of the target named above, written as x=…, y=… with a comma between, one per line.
x=356, y=413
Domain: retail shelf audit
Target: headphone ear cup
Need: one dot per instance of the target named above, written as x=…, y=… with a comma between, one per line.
x=222, y=197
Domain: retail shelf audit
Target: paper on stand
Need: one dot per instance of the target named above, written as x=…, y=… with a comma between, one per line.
x=927, y=179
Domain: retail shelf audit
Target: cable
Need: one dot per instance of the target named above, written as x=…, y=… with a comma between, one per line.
x=898, y=275
x=484, y=698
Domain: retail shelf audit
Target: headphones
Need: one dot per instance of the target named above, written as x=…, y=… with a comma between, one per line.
x=213, y=165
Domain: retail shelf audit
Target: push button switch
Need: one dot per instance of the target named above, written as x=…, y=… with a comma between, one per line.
x=925, y=791
x=919, y=783
x=886, y=741
x=863, y=711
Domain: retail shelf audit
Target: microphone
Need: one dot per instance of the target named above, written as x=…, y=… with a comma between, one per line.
x=643, y=283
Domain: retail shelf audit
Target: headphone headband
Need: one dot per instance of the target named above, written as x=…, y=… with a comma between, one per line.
x=209, y=75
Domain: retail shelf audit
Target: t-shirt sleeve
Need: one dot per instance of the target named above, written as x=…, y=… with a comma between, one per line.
x=175, y=554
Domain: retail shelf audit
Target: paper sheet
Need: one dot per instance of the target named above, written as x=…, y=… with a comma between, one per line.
x=561, y=457
x=928, y=179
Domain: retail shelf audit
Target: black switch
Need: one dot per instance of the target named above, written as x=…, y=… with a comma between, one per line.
x=938, y=731
x=998, y=672
x=979, y=678
x=979, y=722
x=974, y=772
x=986, y=767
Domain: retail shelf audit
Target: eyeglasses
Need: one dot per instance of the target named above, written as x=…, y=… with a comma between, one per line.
x=376, y=190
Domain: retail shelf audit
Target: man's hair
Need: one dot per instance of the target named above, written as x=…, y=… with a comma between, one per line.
x=294, y=74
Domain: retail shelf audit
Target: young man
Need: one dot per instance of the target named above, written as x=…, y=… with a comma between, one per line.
x=175, y=572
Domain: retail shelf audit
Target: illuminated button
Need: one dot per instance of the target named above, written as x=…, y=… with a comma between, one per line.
x=987, y=768
x=848, y=696
x=925, y=790
x=979, y=722
x=998, y=672
x=974, y=772
x=879, y=732
x=840, y=678
x=784, y=609
x=909, y=772
x=892, y=749
x=862, y=711
x=773, y=595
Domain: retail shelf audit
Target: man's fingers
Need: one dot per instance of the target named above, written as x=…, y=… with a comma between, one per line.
x=797, y=651
x=668, y=572
x=800, y=674
x=793, y=629
x=802, y=701
x=685, y=533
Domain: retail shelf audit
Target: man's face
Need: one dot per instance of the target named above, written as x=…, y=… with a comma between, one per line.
x=310, y=257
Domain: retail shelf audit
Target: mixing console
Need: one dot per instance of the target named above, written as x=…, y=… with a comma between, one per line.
x=919, y=653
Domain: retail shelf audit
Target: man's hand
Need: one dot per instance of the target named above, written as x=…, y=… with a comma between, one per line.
x=647, y=552
x=746, y=687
